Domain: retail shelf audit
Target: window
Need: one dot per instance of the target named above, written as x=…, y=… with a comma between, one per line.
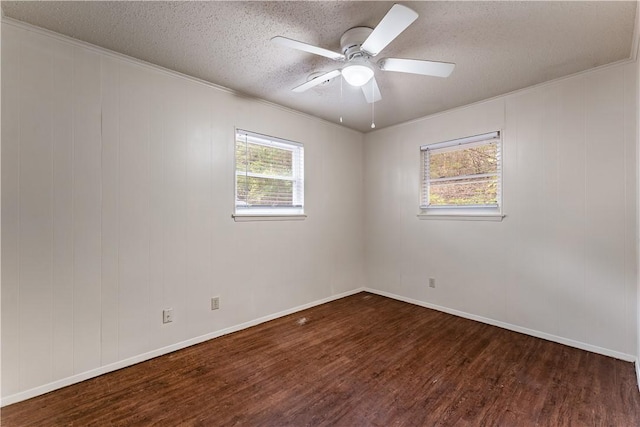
x=269, y=175
x=462, y=177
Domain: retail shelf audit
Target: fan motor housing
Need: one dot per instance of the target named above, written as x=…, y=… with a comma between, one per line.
x=351, y=41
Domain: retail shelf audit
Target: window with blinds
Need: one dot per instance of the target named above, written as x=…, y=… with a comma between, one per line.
x=269, y=175
x=462, y=173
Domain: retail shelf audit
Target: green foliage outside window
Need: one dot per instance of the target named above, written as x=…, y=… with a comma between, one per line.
x=274, y=185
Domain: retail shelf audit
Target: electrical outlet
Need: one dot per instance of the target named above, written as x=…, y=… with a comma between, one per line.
x=215, y=303
x=167, y=315
x=432, y=282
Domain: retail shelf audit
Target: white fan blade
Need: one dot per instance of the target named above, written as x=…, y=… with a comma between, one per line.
x=372, y=91
x=316, y=81
x=394, y=22
x=294, y=44
x=415, y=66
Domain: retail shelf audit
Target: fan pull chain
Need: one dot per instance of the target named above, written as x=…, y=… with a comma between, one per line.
x=341, y=109
x=373, y=98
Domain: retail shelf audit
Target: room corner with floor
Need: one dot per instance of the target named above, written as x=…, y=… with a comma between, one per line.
x=276, y=223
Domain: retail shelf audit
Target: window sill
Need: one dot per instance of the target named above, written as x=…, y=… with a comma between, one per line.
x=268, y=217
x=462, y=214
x=463, y=217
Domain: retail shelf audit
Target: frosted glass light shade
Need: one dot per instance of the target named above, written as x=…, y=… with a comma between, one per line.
x=357, y=75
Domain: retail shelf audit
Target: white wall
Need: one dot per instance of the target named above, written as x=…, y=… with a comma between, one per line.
x=117, y=195
x=562, y=264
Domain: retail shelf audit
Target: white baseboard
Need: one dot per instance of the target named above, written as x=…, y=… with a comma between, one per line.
x=515, y=328
x=637, y=364
x=36, y=391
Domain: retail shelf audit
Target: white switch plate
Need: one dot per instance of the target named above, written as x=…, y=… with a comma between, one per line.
x=215, y=303
x=167, y=315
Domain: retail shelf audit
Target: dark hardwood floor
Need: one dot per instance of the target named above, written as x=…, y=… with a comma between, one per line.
x=364, y=360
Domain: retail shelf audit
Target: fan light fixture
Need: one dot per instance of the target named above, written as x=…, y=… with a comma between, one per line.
x=357, y=75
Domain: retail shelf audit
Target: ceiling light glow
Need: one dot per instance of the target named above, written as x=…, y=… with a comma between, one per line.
x=357, y=75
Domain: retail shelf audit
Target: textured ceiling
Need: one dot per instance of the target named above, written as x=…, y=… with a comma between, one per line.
x=498, y=46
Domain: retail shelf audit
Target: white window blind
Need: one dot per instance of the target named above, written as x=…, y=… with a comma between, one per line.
x=269, y=175
x=462, y=173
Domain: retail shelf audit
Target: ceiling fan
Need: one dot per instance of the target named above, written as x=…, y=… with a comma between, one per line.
x=359, y=45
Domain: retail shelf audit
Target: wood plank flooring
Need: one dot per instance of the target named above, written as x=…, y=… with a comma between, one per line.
x=364, y=360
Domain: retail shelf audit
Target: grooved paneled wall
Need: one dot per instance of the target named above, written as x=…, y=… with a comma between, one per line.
x=117, y=195
x=563, y=263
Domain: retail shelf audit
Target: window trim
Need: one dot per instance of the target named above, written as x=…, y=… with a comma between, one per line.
x=268, y=217
x=271, y=213
x=469, y=212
